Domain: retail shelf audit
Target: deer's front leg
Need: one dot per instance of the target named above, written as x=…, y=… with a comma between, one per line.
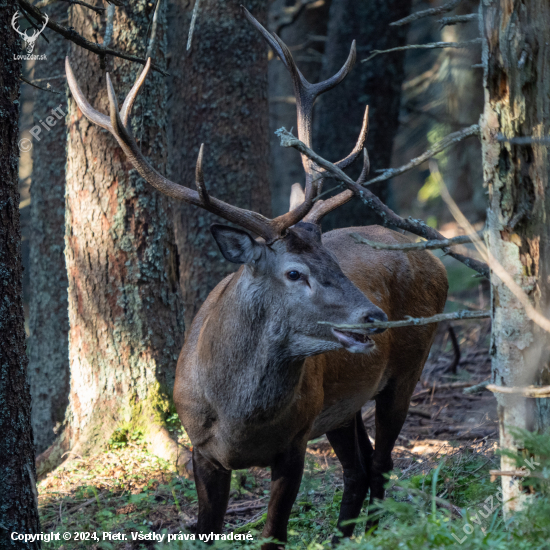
x=286, y=475
x=213, y=484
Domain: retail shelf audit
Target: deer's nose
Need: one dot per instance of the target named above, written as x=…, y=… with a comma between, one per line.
x=374, y=316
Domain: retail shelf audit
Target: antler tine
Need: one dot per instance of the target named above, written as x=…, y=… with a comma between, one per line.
x=344, y=163
x=322, y=208
x=305, y=94
x=199, y=178
x=132, y=94
x=87, y=110
x=254, y=222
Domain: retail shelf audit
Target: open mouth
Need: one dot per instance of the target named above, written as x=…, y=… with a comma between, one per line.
x=352, y=340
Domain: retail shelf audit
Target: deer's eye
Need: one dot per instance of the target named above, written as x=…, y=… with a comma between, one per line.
x=293, y=275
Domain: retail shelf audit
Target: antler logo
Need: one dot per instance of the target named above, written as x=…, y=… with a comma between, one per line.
x=30, y=40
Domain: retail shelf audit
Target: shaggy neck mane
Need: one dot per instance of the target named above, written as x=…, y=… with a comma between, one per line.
x=245, y=366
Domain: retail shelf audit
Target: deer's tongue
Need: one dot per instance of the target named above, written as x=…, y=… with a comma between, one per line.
x=350, y=339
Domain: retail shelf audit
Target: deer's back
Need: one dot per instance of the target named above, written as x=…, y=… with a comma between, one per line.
x=402, y=284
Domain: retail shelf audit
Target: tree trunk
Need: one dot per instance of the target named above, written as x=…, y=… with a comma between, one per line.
x=18, y=498
x=376, y=83
x=125, y=308
x=219, y=98
x=304, y=38
x=48, y=320
x=517, y=79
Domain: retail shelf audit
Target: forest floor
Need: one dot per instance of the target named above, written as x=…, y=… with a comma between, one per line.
x=127, y=490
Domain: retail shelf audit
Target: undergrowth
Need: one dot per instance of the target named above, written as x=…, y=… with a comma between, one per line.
x=449, y=504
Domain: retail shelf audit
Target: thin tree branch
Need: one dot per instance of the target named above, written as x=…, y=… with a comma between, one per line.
x=79, y=40
x=413, y=322
x=485, y=253
x=38, y=87
x=368, y=198
x=524, y=140
x=430, y=46
x=441, y=145
x=444, y=21
x=34, y=25
x=446, y=8
x=411, y=247
x=477, y=388
x=193, y=21
x=528, y=391
x=41, y=5
x=290, y=14
x=109, y=26
x=515, y=473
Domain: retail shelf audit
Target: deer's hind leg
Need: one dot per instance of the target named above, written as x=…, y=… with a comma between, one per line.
x=353, y=449
x=213, y=484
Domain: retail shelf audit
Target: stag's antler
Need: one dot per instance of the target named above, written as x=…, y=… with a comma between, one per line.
x=305, y=94
x=270, y=229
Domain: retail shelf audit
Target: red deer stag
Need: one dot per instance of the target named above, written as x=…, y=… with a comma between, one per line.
x=258, y=375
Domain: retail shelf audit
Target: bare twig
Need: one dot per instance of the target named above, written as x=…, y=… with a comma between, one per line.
x=416, y=321
x=410, y=247
x=430, y=46
x=47, y=89
x=441, y=145
x=446, y=8
x=79, y=40
x=444, y=21
x=438, y=500
x=524, y=140
x=193, y=21
x=108, y=36
x=153, y=28
x=447, y=386
x=388, y=216
x=41, y=5
x=290, y=14
x=515, y=473
x=528, y=391
x=486, y=254
x=477, y=388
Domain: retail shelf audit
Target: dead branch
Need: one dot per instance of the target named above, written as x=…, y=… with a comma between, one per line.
x=477, y=388
x=389, y=217
x=289, y=14
x=447, y=386
x=446, y=8
x=193, y=22
x=423, y=245
x=527, y=391
x=417, y=321
x=44, y=3
x=47, y=89
x=515, y=473
x=430, y=46
x=524, y=140
x=444, y=21
x=441, y=145
x=79, y=40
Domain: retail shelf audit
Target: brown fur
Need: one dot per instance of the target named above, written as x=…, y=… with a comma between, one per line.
x=238, y=415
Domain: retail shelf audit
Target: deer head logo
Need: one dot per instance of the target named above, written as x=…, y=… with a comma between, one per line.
x=30, y=40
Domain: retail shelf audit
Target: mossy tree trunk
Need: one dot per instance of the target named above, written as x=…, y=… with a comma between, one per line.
x=125, y=308
x=516, y=55
x=218, y=96
x=376, y=83
x=18, y=500
x=48, y=319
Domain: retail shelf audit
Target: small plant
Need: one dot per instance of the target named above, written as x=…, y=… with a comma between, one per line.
x=121, y=437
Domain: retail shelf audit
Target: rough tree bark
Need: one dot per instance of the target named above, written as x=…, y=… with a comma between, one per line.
x=219, y=97
x=18, y=500
x=376, y=83
x=125, y=308
x=516, y=55
x=48, y=318
x=305, y=39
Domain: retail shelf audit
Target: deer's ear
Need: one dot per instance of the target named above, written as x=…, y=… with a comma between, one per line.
x=236, y=245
